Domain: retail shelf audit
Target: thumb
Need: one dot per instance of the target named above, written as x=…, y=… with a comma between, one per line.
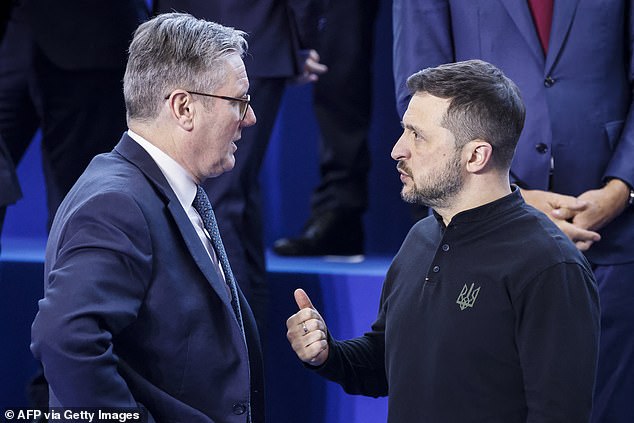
x=302, y=300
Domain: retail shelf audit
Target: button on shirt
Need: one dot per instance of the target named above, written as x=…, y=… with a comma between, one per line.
x=184, y=187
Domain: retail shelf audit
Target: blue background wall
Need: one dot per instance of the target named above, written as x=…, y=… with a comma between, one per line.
x=291, y=167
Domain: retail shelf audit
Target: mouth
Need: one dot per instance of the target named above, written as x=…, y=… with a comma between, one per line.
x=404, y=174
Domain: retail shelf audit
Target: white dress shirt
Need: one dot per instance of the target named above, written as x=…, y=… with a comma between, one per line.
x=184, y=187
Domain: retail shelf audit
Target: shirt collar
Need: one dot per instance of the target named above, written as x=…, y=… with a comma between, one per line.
x=178, y=178
x=486, y=211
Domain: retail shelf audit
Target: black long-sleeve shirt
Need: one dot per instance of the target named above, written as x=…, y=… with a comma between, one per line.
x=494, y=318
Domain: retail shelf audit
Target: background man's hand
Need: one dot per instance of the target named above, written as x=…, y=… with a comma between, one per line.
x=312, y=68
x=307, y=332
x=562, y=210
x=604, y=205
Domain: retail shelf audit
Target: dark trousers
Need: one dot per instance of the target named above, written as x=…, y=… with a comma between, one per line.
x=343, y=105
x=614, y=389
x=9, y=186
x=235, y=196
x=3, y=210
x=81, y=112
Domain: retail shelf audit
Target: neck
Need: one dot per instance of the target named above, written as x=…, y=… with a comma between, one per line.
x=163, y=138
x=477, y=191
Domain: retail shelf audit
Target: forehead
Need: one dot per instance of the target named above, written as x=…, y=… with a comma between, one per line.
x=236, y=78
x=425, y=110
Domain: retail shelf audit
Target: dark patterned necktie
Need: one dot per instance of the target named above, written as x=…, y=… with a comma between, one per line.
x=203, y=207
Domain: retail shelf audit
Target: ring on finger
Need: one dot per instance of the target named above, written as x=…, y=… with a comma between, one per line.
x=304, y=327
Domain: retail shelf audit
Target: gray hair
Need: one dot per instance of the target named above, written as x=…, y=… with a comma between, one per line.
x=484, y=104
x=176, y=50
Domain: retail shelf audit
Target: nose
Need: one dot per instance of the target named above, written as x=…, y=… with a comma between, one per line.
x=249, y=118
x=399, y=151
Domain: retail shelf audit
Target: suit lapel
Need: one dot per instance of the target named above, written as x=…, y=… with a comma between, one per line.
x=521, y=15
x=563, y=14
x=136, y=155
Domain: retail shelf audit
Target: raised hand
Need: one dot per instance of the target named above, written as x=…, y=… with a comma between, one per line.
x=307, y=332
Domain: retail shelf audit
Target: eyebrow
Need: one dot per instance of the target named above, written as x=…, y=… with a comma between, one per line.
x=411, y=127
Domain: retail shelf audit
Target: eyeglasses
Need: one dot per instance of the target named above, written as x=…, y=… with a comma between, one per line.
x=244, y=101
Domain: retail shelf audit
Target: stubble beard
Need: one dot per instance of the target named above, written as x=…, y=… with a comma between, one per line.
x=435, y=190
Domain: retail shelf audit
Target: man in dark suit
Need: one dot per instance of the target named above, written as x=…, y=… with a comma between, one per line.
x=573, y=63
x=282, y=37
x=342, y=102
x=60, y=70
x=141, y=308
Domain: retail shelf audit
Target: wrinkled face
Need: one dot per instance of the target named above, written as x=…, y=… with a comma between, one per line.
x=428, y=161
x=218, y=127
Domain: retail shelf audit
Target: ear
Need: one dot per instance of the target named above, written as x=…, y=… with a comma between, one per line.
x=182, y=109
x=480, y=155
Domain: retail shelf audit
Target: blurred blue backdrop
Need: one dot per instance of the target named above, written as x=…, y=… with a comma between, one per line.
x=290, y=171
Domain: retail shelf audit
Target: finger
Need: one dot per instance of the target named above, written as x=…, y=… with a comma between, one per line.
x=567, y=213
x=575, y=233
x=583, y=245
x=579, y=234
x=310, y=338
x=588, y=235
x=313, y=55
x=315, y=67
x=310, y=345
x=319, y=358
x=302, y=300
x=567, y=202
x=564, y=213
x=295, y=321
x=312, y=325
x=314, y=354
x=310, y=77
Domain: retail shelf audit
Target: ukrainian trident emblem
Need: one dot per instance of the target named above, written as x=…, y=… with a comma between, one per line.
x=467, y=296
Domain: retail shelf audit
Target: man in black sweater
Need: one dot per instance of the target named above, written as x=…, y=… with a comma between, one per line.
x=488, y=313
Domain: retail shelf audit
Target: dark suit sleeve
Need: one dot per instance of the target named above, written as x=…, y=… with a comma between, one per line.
x=5, y=12
x=308, y=17
x=621, y=164
x=422, y=38
x=557, y=342
x=93, y=290
x=84, y=34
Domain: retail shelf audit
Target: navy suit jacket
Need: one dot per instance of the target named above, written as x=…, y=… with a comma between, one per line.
x=578, y=96
x=134, y=313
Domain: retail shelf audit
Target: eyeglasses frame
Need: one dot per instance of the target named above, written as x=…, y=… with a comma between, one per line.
x=246, y=100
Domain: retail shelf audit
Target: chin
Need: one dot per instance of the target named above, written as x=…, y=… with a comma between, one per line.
x=229, y=164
